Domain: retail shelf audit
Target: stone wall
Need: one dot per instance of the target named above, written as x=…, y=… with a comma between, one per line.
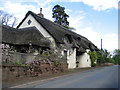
x=12, y=72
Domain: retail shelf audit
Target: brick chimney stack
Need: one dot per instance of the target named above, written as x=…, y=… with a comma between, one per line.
x=41, y=13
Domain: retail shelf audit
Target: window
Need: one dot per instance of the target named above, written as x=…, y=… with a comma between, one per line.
x=68, y=38
x=65, y=54
x=29, y=22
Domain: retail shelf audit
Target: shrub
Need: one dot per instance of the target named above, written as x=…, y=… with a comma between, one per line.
x=93, y=57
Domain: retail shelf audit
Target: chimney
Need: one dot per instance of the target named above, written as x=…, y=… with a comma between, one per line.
x=41, y=13
x=40, y=10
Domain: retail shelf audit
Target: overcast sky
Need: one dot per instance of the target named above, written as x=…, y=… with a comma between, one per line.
x=94, y=19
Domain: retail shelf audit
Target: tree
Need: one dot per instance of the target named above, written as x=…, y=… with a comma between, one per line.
x=60, y=15
x=116, y=56
x=104, y=57
x=8, y=19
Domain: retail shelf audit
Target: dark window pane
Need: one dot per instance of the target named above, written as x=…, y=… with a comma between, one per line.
x=29, y=22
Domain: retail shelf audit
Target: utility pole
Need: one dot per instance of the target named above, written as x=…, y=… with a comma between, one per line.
x=101, y=44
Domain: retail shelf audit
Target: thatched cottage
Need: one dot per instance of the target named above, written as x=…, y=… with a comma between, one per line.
x=70, y=44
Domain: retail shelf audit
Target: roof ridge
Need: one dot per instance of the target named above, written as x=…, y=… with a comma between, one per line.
x=9, y=27
x=57, y=24
x=28, y=27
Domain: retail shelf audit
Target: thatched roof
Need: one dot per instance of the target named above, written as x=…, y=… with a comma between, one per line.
x=58, y=32
x=23, y=36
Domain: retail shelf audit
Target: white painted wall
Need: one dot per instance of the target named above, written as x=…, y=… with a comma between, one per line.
x=39, y=27
x=71, y=59
x=84, y=60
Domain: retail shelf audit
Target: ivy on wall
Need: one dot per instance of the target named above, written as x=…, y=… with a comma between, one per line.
x=93, y=57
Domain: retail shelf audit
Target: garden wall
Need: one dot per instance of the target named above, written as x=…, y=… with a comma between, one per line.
x=11, y=72
x=17, y=65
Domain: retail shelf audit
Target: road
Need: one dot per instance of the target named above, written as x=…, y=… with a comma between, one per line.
x=105, y=77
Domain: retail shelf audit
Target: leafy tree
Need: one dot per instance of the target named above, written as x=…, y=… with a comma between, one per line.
x=116, y=56
x=8, y=19
x=60, y=15
x=104, y=57
x=107, y=56
x=100, y=57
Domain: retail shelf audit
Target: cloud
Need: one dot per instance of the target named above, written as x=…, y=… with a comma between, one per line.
x=99, y=5
x=75, y=22
x=110, y=40
x=19, y=10
x=76, y=19
x=47, y=11
x=68, y=10
x=89, y=33
x=1, y=8
x=80, y=12
x=43, y=3
x=16, y=7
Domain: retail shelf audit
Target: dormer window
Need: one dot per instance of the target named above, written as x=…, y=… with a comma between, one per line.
x=68, y=38
x=79, y=39
x=29, y=22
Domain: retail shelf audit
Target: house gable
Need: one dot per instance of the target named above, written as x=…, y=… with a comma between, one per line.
x=30, y=21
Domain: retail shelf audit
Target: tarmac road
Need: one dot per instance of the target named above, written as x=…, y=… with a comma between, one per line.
x=105, y=77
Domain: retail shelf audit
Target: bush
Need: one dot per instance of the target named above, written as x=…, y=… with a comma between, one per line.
x=111, y=60
x=93, y=57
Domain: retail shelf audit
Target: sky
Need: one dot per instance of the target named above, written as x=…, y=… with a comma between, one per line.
x=93, y=19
